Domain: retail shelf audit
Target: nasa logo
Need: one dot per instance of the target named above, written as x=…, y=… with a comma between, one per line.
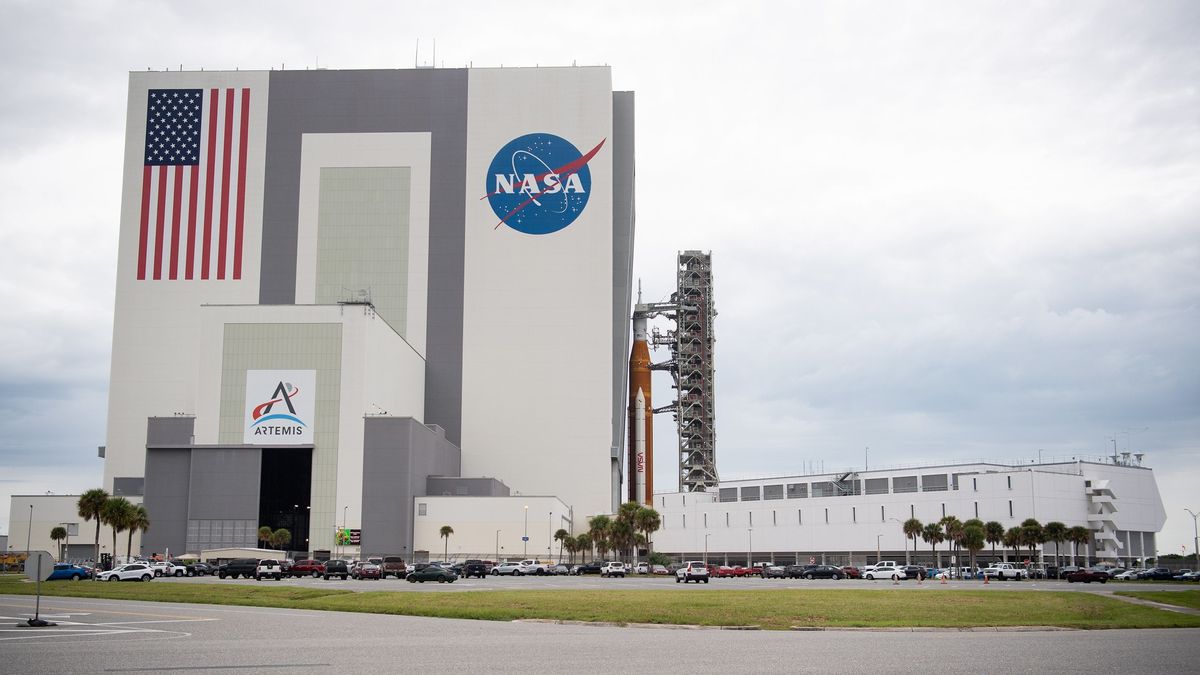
x=539, y=183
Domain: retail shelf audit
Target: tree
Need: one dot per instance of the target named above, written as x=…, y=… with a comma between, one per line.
x=280, y=538
x=1056, y=532
x=1078, y=535
x=993, y=533
x=568, y=544
x=932, y=534
x=264, y=534
x=1012, y=539
x=598, y=527
x=1032, y=535
x=117, y=514
x=90, y=504
x=445, y=533
x=953, y=527
x=583, y=543
x=621, y=536
x=973, y=539
x=59, y=533
x=648, y=521
x=912, y=530
x=561, y=537
x=138, y=520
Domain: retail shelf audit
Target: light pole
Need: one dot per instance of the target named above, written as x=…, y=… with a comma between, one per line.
x=706, y=536
x=345, y=541
x=29, y=532
x=1195, y=538
x=749, y=547
x=67, y=549
x=550, y=538
x=877, y=556
x=525, y=539
x=497, y=547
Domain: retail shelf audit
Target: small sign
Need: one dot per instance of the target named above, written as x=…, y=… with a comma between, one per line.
x=524, y=538
x=812, y=560
x=39, y=566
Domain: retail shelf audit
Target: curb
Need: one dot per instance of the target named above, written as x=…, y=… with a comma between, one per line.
x=613, y=624
x=934, y=629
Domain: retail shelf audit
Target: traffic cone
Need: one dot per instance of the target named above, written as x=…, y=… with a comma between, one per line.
x=943, y=577
x=985, y=580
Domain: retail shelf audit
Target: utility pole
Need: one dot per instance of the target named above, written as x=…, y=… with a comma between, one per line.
x=1195, y=538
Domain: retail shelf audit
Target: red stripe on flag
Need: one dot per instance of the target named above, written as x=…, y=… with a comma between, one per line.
x=193, y=178
x=225, y=161
x=143, y=233
x=208, y=185
x=176, y=207
x=241, y=185
x=159, y=221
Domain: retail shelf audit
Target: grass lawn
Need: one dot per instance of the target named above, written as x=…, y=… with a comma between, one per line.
x=1178, y=598
x=778, y=609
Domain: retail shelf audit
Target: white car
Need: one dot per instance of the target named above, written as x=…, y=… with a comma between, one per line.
x=165, y=568
x=885, y=572
x=613, y=569
x=130, y=572
x=509, y=568
x=643, y=568
x=694, y=570
x=1127, y=575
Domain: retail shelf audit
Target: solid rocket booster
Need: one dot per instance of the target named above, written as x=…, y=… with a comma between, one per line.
x=641, y=414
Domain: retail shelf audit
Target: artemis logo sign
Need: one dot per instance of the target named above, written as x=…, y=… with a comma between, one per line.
x=279, y=407
x=539, y=183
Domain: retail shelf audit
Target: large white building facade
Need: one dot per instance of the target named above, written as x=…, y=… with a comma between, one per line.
x=855, y=517
x=334, y=285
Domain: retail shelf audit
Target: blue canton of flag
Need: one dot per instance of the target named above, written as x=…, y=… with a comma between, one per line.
x=173, y=121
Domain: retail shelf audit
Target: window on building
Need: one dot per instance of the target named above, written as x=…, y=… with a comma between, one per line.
x=826, y=516
x=773, y=492
x=854, y=514
x=420, y=509
x=750, y=493
x=774, y=519
x=976, y=509
x=882, y=515
x=823, y=489
x=912, y=511
x=934, y=483
x=1010, y=482
x=975, y=484
x=799, y=516
x=750, y=515
x=1010, y=515
x=797, y=490
x=726, y=519
x=877, y=486
x=943, y=510
x=706, y=521
x=904, y=484
x=728, y=494
x=685, y=521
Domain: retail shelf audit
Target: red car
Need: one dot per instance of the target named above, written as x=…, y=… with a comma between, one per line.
x=370, y=570
x=307, y=568
x=852, y=572
x=1087, y=576
x=725, y=571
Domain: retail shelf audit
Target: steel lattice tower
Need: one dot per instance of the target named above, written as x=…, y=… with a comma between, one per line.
x=692, y=352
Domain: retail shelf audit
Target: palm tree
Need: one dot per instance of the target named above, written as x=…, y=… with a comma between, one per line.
x=953, y=527
x=598, y=529
x=1012, y=539
x=912, y=530
x=264, y=534
x=139, y=520
x=59, y=533
x=567, y=544
x=648, y=521
x=1056, y=532
x=932, y=534
x=445, y=533
x=993, y=534
x=583, y=543
x=280, y=538
x=973, y=539
x=561, y=537
x=1032, y=535
x=621, y=536
x=90, y=504
x=1078, y=535
x=117, y=514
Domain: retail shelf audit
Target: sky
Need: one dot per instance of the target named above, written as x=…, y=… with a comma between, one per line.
x=941, y=231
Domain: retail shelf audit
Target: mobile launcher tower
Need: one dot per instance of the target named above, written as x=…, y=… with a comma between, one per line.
x=691, y=366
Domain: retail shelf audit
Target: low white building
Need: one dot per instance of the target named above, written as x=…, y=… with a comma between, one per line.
x=855, y=517
x=489, y=528
x=32, y=517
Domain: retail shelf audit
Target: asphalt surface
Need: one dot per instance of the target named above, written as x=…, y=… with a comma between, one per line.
x=109, y=636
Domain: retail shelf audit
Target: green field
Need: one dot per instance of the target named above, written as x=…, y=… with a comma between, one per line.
x=1179, y=598
x=769, y=609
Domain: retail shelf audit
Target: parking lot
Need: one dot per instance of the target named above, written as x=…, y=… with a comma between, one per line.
x=635, y=582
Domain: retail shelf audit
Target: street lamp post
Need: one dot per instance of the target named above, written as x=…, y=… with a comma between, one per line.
x=749, y=547
x=525, y=539
x=550, y=538
x=706, y=536
x=1195, y=537
x=497, y=547
x=29, y=532
x=877, y=556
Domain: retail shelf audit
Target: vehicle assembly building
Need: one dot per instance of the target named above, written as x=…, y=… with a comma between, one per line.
x=338, y=291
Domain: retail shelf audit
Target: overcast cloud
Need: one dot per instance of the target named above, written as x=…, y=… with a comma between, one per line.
x=942, y=230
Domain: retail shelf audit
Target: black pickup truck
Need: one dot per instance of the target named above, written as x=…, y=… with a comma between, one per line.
x=245, y=567
x=474, y=568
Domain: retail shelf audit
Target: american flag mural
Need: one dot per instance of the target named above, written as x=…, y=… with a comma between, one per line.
x=193, y=184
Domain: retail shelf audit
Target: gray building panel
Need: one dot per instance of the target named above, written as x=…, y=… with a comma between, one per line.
x=166, y=500
x=166, y=431
x=224, y=484
x=433, y=101
x=129, y=486
x=466, y=487
x=399, y=454
x=623, y=241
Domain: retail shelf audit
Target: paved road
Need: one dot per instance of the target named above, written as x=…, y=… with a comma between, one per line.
x=109, y=636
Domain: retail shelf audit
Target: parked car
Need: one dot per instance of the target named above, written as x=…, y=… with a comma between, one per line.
x=1179, y=574
x=724, y=571
x=1087, y=576
x=694, y=570
x=244, y=567
x=660, y=570
x=268, y=568
x=881, y=563
x=308, y=568
x=1127, y=575
x=433, y=573
x=821, y=572
x=851, y=572
x=370, y=570
x=128, y=572
x=476, y=568
x=1190, y=576
x=336, y=568
x=534, y=567
x=1005, y=571
x=643, y=568
x=1157, y=574
x=69, y=572
x=558, y=570
x=613, y=569
x=884, y=572
x=393, y=566
x=915, y=572
x=775, y=572
x=593, y=567
x=166, y=568
x=511, y=569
